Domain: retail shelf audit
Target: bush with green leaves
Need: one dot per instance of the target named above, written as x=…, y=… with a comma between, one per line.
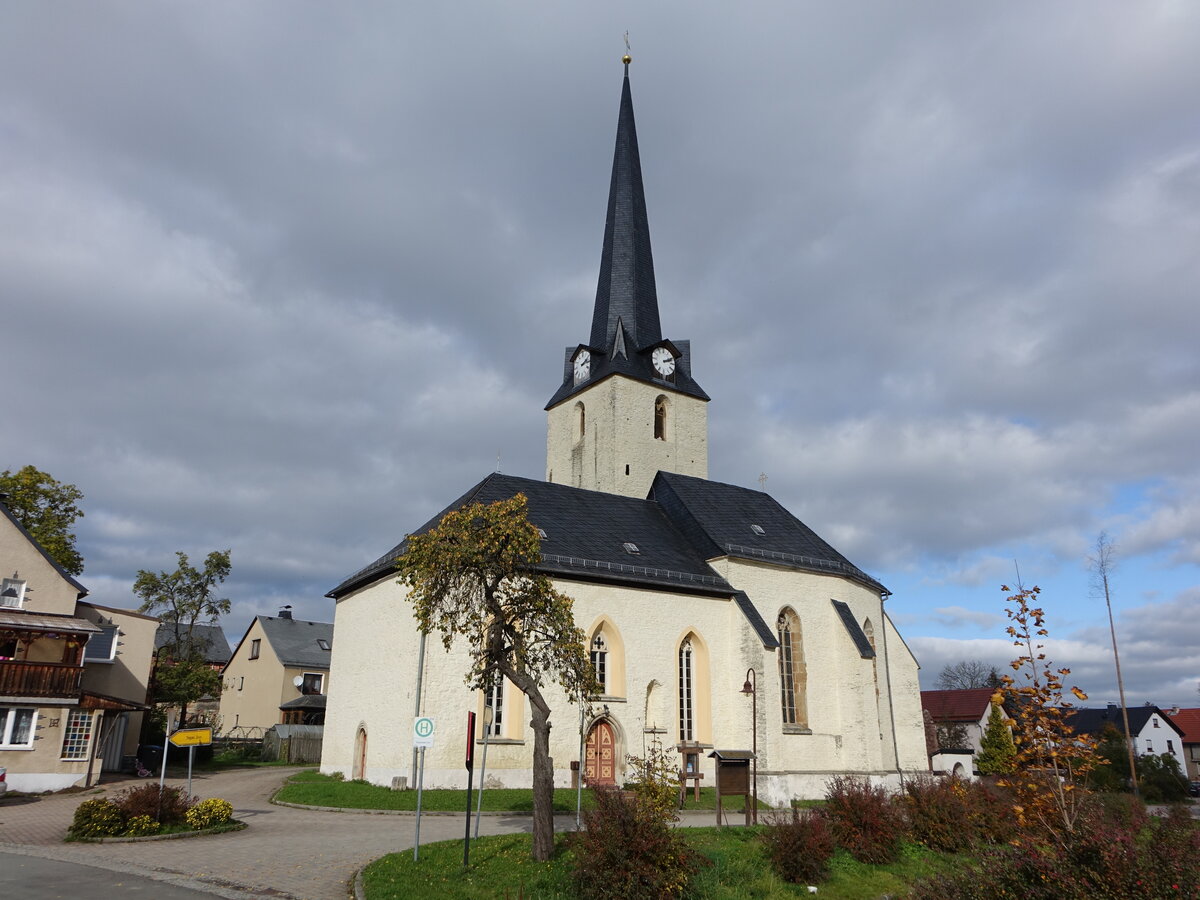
x=140, y=826
x=97, y=818
x=210, y=813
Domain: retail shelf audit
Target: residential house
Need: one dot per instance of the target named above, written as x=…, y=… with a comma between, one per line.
x=278, y=674
x=72, y=674
x=960, y=717
x=715, y=619
x=1152, y=730
x=1188, y=721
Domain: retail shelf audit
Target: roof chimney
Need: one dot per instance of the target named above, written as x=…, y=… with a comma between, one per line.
x=286, y=612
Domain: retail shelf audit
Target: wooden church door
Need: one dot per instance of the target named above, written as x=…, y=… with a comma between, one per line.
x=600, y=768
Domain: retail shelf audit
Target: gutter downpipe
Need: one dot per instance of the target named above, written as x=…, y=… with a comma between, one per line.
x=417, y=710
x=887, y=672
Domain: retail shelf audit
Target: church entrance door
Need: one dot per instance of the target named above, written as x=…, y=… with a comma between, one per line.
x=600, y=768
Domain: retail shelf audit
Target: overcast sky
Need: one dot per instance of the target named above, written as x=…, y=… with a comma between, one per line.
x=288, y=277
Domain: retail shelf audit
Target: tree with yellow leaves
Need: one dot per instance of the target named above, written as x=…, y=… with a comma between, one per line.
x=1052, y=761
x=475, y=576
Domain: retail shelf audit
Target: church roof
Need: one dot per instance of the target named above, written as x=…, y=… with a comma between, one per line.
x=727, y=520
x=586, y=533
x=625, y=321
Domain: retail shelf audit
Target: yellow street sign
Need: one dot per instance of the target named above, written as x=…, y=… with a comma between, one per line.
x=191, y=737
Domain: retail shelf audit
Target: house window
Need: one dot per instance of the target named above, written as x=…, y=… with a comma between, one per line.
x=1149, y=745
x=77, y=736
x=322, y=643
x=1171, y=747
x=599, y=655
x=1155, y=721
x=254, y=645
x=12, y=592
x=793, y=674
x=16, y=728
x=660, y=418
x=312, y=684
x=495, y=701
x=241, y=682
x=687, y=720
x=8, y=649
x=102, y=647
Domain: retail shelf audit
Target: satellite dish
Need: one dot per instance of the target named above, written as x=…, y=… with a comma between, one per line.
x=298, y=681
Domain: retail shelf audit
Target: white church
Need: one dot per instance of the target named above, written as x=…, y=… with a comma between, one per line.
x=686, y=589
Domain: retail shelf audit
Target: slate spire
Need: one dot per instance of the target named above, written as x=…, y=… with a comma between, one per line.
x=626, y=292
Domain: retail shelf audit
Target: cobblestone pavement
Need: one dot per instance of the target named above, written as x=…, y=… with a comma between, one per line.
x=285, y=852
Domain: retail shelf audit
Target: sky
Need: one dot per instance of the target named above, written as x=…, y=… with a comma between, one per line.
x=285, y=278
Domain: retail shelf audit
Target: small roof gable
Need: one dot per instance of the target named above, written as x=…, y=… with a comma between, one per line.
x=298, y=643
x=1187, y=721
x=586, y=534
x=80, y=590
x=968, y=705
x=216, y=647
x=719, y=520
x=1095, y=721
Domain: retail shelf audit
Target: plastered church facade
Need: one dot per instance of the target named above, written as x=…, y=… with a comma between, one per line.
x=685, y=588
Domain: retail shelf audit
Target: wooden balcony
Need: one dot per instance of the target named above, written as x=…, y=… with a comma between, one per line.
x=37, y=679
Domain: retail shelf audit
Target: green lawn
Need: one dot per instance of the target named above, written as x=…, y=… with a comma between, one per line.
x=314, y=789
x=501, y=867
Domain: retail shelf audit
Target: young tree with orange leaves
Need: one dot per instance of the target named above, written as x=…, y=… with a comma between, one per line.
x=1052, y=760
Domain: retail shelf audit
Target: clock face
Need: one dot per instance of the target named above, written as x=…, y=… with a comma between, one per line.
x=663, y=361
x=583, y=366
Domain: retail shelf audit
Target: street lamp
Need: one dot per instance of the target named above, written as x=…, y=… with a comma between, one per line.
x=751, y=688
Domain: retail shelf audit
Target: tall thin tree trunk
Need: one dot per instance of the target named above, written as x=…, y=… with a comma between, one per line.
x=543, y=781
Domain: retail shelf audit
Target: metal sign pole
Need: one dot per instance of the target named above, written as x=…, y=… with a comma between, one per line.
x=488, y=715
x=191, y=758
x=579, y=775
x=420, y=789
x=470, y=774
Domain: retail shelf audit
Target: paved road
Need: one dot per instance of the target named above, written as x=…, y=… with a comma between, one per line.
x=35, y=878
x=286, y=853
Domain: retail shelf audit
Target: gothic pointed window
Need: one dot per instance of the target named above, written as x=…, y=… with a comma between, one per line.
x=599, y=656
x=580, y=422
x=793, y=675
x=660, y=418
x=687, y=687
x=495, y=701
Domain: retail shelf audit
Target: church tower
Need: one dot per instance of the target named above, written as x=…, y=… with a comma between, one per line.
x=628, y=406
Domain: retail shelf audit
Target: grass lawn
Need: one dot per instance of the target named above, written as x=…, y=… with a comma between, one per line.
x=314, y=789
x=501, y=867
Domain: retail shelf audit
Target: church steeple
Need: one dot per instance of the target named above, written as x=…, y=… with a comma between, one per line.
x=626, y=293
x=627, y=406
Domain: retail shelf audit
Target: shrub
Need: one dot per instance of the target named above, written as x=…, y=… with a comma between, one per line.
x=940, y=814
x=209, y=813
x=97, y=818
x=139, y=826
x=800, y=847
x=1160, y=779
x=629, y=851
x=863, y=819
x=655, y=782
x=143, y=800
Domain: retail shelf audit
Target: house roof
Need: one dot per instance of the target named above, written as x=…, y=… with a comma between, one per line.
x=1187, y=721
x=625, y=320
x=296, y=642
x=305, y=701
x=964, y=705
x=117, y=609
x=1094, y=721
x=17, y=620
x=81, y=591
x=216, y=646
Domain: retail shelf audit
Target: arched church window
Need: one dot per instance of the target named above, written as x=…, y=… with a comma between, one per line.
x=495, y=700
x=793, y=674
x=687, y=699
x=599, y=655
x=660, y=418
x=580, y=421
